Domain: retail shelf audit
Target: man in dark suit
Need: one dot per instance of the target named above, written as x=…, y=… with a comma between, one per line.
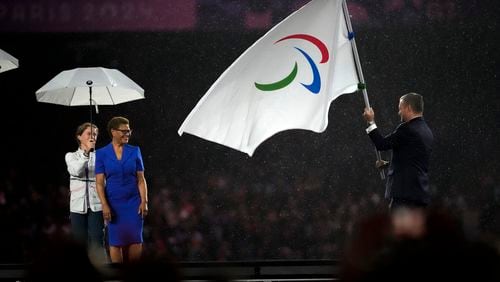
x=411, y=144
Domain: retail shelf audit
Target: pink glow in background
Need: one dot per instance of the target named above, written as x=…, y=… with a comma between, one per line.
x=96, y=15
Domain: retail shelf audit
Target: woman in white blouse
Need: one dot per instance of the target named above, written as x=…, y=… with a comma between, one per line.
x=86, y=218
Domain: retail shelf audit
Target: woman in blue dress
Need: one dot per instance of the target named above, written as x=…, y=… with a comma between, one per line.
x=122, y=189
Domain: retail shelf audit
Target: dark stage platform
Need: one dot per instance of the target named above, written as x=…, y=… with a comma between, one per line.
x=268, y=270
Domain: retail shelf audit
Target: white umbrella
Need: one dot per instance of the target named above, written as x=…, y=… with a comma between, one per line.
x=7, y=61
x=87, y=86
x=74, y=87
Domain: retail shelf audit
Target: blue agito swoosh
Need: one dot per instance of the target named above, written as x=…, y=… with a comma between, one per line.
x=315, y=86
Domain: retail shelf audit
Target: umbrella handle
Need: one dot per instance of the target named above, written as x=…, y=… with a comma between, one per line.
x=96, y=107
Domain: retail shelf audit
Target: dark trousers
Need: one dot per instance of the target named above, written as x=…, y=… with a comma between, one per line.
x=397, y=203
x=88, y=229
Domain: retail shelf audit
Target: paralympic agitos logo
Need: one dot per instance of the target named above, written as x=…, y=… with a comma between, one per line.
x=315, y=86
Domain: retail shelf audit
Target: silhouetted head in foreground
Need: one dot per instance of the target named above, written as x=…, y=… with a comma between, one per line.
x=417, y=245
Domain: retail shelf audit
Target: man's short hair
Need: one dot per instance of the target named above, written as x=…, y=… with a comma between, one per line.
x=415, y=101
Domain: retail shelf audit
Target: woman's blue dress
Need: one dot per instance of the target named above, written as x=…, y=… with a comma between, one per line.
x=122, y=193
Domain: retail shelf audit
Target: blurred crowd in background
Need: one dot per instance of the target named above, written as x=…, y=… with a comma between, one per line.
x=216, y=217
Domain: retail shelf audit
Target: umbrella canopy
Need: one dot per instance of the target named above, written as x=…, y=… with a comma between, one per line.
x=7, y=61
x=89, y=86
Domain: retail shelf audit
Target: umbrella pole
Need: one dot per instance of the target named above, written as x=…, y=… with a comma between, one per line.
x=90, y=106
x=89, y=83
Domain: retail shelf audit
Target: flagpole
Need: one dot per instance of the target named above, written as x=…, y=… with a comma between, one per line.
x=362, y=85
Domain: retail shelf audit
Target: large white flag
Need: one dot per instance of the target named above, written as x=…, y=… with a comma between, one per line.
x=285, y=80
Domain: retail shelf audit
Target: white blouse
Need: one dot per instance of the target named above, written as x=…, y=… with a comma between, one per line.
x=82, y=185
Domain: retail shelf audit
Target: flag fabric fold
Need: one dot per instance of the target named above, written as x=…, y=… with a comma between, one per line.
x=286, y=80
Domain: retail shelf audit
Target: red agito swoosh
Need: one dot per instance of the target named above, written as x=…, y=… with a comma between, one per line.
x=321, y=46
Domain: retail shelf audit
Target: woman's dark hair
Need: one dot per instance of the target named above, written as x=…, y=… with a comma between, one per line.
x=115, y=123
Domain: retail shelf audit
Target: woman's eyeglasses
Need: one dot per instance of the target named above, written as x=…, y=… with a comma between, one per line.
x=124, y=131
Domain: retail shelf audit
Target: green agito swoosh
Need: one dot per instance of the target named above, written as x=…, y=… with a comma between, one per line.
x=279, y=84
